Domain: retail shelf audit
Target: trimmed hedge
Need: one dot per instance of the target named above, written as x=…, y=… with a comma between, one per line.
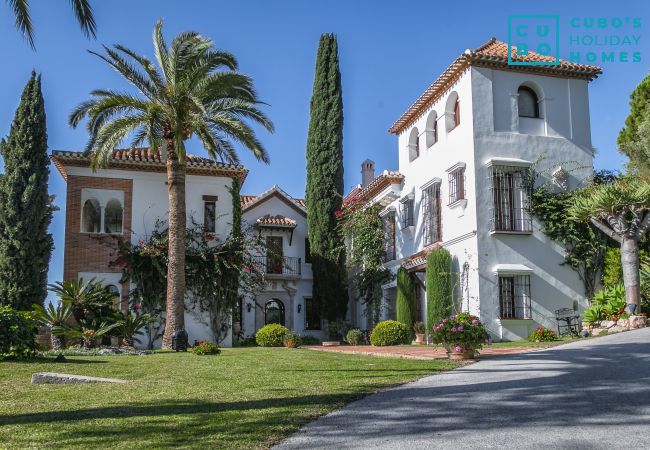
x=439, y=286
x=17, y=334
x=405, y=298
x=390, y=332
x=271, y=335
x=355, y=336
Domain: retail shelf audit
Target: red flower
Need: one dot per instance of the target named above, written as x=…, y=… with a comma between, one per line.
x=338, y=214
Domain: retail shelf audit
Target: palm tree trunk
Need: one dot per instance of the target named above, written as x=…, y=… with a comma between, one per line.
x=57, y=342
x=630, y=264
x=176, y=265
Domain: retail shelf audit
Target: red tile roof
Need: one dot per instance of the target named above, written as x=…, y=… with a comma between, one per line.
x=250, y=201
x=493, y=54
x=143, y=159
x=276, y=221
x=378, y=184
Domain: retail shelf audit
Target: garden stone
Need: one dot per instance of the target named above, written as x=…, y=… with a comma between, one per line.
x=637, y=322
x=616, y=329
x=625, y=323
x=607, y=324
x=64, y=378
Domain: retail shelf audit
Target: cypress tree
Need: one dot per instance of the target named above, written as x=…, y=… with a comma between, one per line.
x=325, y=182
x=405, y=299
x=628, y=138
x=25, y=205
x=439, y=286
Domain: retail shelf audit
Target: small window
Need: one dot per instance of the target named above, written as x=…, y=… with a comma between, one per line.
x=274, y=312
x=113, y=214
x=510, y=186
x=91, y=216
x=514, y=297
x=407, y=213
x=307, y=251
x=209, y=216
x=457, y=113
x=312, y=314
x=432, y=217
x=414, y=144
x=115, y=293
x=527, y=103
x=431, y=133
x=457, y=185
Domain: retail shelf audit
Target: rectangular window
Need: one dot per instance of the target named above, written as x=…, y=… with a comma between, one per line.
x=389, y=236
x=431, y=213
x=407, y=213
x=209, y=216
x=457, y=185
x=307, y=251
x=510, y=197
x=312, y=314
x=514, y=297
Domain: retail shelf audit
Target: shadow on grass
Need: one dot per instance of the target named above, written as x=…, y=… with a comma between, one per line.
x=52, y=360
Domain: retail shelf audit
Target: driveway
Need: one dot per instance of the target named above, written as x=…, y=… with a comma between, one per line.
x=589, y=394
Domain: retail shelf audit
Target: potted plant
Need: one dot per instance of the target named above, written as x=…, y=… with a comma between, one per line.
x=462, y=335
x=418, y=327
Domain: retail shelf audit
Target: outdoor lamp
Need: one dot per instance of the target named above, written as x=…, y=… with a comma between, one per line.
x=299, y=307
x=249, y=306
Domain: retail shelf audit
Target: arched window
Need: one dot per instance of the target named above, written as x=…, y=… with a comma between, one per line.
x=452, y=112
x=91, y=216
x=113, y=217
x=115, y=292
x=274, y=312
x=414, y=144
x=432, y=129
x=527, y=102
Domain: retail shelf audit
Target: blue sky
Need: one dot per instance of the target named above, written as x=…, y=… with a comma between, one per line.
x=390, y=52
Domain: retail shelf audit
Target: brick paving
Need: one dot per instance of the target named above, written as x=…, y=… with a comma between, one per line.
x=417, y=351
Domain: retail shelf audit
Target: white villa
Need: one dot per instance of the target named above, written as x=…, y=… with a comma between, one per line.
x=462, y=147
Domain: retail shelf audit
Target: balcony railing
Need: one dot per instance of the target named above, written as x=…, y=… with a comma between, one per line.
x=278, y=265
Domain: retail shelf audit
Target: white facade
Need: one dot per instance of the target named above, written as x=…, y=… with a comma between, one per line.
x=495, y=252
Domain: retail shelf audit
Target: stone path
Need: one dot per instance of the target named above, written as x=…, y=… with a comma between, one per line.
x=591, y=394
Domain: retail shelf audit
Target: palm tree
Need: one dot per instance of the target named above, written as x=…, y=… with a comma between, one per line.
x=195, y=90
x=85, y=298
x=129, y=326
x=81, y=8
x=621, y=210
x=86, y=331
x=53, y=317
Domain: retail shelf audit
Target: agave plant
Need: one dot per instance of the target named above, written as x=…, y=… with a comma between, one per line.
x=129, y=326
x=86, y=299
x=87, y=332
x=54, y=316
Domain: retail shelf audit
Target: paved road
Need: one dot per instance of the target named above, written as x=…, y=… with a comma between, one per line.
x=585, y=395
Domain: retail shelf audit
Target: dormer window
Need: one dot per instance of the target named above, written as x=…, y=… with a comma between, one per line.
x=527, y=103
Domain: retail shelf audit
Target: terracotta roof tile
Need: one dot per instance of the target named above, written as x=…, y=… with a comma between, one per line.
x=492, y=54
x=143, y=159
x=378, y=184
x=250, y=200
x=276, y=221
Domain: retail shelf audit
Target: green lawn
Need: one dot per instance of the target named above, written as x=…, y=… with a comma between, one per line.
x=526, y=343
x=245, y=397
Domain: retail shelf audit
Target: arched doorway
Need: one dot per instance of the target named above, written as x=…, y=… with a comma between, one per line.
x=274, y=312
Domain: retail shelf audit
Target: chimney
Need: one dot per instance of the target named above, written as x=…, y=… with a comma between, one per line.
x=367, y=172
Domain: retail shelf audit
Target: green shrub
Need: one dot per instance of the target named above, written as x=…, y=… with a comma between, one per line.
x=206, y=348
x=248, y=341
x=390, y=332
x=542, y=334
x=292, y=340
x=338, y=329
x=309, y=340
x=355, y=336
x=271, y=335
x=612, y=268
x=439, y=286
x=610, y=303
x=419, y=328
x=594, y=314
x=461, y=332
x=17, y=333
x=405, y=301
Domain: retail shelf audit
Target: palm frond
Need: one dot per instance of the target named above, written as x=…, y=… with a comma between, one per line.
x=84, y=14
x=23, y=19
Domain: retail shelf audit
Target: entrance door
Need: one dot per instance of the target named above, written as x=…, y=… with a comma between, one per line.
x=274, y=312
x=274, y=254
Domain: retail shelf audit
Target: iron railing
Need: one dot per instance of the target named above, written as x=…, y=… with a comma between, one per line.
x=278, y=265
x=510, y=196
x=514, y=297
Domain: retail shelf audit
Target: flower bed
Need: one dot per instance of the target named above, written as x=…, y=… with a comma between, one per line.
x=461, y=334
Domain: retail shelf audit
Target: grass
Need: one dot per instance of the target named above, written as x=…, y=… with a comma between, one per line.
x=526, y=343
x=243, y=398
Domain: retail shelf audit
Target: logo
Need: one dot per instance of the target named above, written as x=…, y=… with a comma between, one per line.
x=536, y=33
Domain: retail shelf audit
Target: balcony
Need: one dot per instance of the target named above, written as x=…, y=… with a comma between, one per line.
x=278, y=266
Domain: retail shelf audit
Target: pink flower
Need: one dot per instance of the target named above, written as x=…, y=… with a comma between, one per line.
x=460, y=328
x=137, y=306
x=458, y=349
x=474, y=322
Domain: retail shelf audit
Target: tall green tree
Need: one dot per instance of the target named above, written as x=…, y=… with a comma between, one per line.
x=81, y=8
x=634, y=139
x=439, y=286
x=621, y=210
x=325, y=182
x=195, y=90
x=25, y=205
x=405, y=301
